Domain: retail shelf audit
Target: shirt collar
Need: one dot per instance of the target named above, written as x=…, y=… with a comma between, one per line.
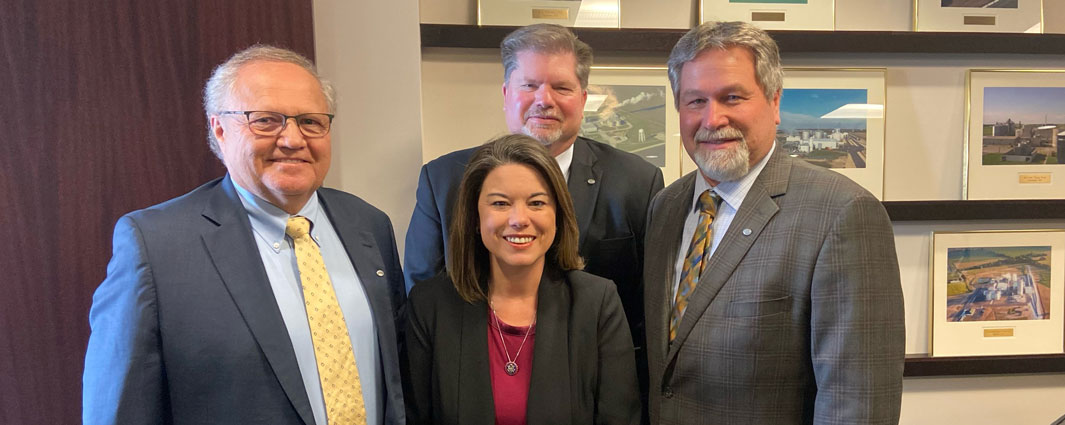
x=269, y=221
x=565, y=159
x=731, y=192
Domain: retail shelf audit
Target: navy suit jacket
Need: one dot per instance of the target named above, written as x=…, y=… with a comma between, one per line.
x=611, y=191
x=186, y=330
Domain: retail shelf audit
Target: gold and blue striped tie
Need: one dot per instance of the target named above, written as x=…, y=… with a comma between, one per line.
x=337, y=371
x=694, y=262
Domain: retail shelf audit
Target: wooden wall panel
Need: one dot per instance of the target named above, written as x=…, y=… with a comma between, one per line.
x=100, y=114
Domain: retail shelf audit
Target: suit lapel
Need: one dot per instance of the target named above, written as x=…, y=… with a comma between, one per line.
x=670, y=219
x=584, y=183
x=549, y=398
x=475, y=384
x=233, y=251
x=757, y=209
x=365, y=256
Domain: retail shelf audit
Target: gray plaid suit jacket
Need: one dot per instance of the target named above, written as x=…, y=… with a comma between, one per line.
x=798, y=318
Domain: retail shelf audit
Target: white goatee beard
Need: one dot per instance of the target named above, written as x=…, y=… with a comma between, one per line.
x=545, y=138
x=722, y=165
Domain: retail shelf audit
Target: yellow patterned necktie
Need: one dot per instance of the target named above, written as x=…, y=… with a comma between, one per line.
x=337, y=371
x=694, y=262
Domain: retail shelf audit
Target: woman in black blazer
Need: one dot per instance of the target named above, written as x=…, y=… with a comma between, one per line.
x=515, y=333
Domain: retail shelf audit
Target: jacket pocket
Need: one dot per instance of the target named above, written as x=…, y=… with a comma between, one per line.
x=759, y=308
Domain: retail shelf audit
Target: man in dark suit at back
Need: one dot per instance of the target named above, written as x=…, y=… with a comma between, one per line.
x=259, y=297
x=545, y=77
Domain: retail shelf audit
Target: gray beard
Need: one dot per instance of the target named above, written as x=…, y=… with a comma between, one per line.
x=723, y=165
x=546, y=139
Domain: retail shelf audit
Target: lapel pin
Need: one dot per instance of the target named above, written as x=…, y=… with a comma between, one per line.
x=746, y=232
x=380, y=272
x=591, y=181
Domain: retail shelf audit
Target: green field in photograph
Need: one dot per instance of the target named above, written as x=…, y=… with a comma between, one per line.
x=770, y=1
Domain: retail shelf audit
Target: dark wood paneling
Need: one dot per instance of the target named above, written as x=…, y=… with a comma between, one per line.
x=1052, y=209
x=662, y=40
x=102, y=115
x=924, y=365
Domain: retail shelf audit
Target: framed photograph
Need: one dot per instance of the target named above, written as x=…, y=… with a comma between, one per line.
x=979, y=15
x=1015, y=136
x=570, y=13
x=632, y=109
x=834, y=118
x=997, y=293
x=772, y=14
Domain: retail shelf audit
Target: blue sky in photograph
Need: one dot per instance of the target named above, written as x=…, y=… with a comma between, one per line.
x=803, y=108
x=1028, y=105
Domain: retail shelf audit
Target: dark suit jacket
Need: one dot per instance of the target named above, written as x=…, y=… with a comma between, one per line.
x=798, y=317
x=186, y=330
x=611, y=191
x=583, y=370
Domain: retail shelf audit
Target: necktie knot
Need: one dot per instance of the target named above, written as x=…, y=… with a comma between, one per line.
x=708, y=203
x=297, y=227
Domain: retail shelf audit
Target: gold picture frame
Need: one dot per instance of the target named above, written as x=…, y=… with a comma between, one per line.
x=835, y=118
x=772, y=14
x=1014, y=134
x=632, y=109
x=1016, y=16
x=570, y=13
x=997, y=293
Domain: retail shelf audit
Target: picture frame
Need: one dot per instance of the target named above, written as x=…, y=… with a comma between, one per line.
x=632, y=109
x=1017, y=16
x=570, y=13
x=772, y=14
x=834, y=118
x=997, y=293
x=1015, y=134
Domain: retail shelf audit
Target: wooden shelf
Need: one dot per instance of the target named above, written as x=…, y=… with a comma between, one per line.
x=924, y=365
x=975, y=210
x=662, y=40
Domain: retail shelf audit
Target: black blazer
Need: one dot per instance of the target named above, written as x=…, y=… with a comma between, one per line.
x=186, y=330
x=611, y=191
x=583, y=370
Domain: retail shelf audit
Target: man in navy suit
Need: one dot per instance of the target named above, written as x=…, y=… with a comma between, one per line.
x=545, y=80
x=202, y=319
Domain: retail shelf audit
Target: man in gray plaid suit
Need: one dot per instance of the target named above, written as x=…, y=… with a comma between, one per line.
x=794, y=313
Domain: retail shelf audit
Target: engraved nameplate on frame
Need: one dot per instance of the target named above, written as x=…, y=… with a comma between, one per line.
x=767, y=16
x=550, y=13
x=979, y=20
x=1033, y=178
x=998, y=332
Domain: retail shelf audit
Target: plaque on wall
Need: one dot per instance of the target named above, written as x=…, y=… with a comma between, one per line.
x=772, y=14
x=997, y=293
x=834, y=118
x=632, y=109
x=979, y=15
x=570, y=13
x=1015, y=136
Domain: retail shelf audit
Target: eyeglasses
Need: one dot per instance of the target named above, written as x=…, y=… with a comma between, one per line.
x=266, y=123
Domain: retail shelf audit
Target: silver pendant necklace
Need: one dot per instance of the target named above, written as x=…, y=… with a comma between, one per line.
x=511, y=367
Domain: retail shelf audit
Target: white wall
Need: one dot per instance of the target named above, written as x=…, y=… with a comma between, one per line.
x=372, y=51
x=925, y=128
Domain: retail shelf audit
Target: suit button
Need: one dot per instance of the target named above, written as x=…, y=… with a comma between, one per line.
x=667, y=392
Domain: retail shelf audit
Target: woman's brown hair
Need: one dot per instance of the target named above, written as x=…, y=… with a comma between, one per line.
x=467, y=256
